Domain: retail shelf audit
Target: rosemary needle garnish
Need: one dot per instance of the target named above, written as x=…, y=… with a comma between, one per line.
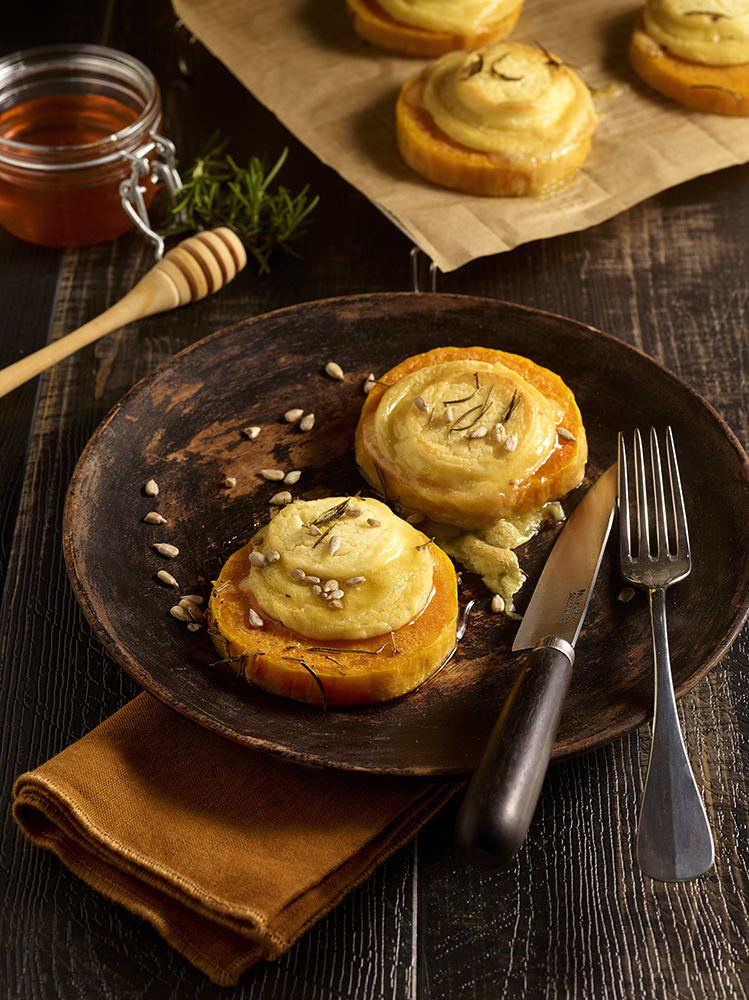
x=216, y=191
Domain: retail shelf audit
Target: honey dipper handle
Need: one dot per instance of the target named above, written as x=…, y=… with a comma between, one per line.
x=181, y=277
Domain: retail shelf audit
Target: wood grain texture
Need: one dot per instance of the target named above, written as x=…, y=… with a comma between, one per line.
x=572, y=918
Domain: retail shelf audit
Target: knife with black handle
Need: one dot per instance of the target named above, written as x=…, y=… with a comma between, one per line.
x=503, y=793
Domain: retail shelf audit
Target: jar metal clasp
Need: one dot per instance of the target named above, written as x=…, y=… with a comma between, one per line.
x=161, y=170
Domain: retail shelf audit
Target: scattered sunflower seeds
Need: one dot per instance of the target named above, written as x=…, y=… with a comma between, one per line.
x=297, y=574
x=230, y=482
x=291, y=416
x=448, y=416
x=511, y=443
x=255, y=620
x=353, y=512
x=498, y=604
x=335, y=604
x=334, y=544
x=565, y=434
x=477, y=432
x=151, y=488
x=179, y=613
x=258, y=559
x=272, y=556
x=334, y=371
x=354, y=581
x=165, y=549
x=373, y=522
x=329, y=586
x=293, y=477
x=166, y=578
x=307, y=422
x=313, y=530
x=192, y=610
x=251, y=432
x=273, y=475
x=625, y=595
x=193, y=599
x=193, y=626
x=421, y=404
x=369, y=383
x=153, y=517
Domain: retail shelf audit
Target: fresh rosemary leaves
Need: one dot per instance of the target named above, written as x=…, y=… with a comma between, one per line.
x=216, y=191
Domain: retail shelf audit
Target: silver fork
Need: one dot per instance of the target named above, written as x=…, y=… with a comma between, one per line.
x=674, y=842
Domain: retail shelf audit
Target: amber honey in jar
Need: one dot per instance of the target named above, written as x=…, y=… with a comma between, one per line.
x=72, y=117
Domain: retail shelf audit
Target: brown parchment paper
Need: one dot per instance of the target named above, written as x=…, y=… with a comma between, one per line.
x=336, y=94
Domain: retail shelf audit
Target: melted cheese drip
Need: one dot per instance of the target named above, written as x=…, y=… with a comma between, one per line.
x=520, y=103
x=713, y=32
x=489, y=553
x=393, y=557
x=463, y=16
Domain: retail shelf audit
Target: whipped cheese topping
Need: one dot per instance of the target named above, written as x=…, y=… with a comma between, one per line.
x=713, y=32
x=431, y=440
x=510, y=99
x=388, y=558
x=462, y=16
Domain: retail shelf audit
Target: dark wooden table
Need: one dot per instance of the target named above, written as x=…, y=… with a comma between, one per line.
x=572, y=917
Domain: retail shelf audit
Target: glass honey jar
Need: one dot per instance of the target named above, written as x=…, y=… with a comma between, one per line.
x=78, y=143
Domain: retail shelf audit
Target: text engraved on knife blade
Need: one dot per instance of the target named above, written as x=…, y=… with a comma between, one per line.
x=574, y=605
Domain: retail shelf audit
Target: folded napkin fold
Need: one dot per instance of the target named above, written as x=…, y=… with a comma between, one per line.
x=230, y=853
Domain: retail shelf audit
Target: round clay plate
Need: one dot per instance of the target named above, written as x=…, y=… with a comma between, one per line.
x=183, y=427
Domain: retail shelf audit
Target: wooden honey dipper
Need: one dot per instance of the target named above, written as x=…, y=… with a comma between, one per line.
x=196, y=267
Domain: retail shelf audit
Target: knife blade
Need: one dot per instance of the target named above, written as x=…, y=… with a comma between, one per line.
x=503, y=793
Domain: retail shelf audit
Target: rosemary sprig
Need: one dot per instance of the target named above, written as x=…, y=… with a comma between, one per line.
x=216, y=191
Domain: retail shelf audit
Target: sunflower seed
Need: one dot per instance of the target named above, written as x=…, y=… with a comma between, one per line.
x=291, y=416
x=335, y=604
x=625, y=595
x=373, y=522
x=353, y=512
x=369, y=383
x=511, y=443
x=415, y=518
x=565, y=434
x=167, y=578
x=193, y=599
x=151, y=488
x=193, y=610
x=279, y=499
x=153, y=517
x=272, y=556
x=164, y=549
x=307, y=422
x=421, y=404
x=498, y=604
x=273, y=475
x=179, y=613
x=498, y=433
x=193, y=626
x=258, y=559
x=448, y=416
x=255, y=620
x=297, y=574
x=334, y=370
x=313, y=530
x=230, y=482
x=329, y=586
x=335, y=595
x=312, y=579
x=317, y=590
x=334, y=544
x=251, y=432
x=293, y=477
x=354, y=581
x=477, y=432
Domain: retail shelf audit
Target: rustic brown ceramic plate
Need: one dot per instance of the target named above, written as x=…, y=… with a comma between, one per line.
x=183, y=426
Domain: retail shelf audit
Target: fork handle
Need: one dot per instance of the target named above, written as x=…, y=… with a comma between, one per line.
x=674, y=842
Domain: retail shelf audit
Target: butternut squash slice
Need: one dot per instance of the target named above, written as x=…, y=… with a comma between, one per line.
x=375, y=25
x=721, y=90
x=332, y=672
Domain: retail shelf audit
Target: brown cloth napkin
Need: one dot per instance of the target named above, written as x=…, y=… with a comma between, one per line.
x=231, y=854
